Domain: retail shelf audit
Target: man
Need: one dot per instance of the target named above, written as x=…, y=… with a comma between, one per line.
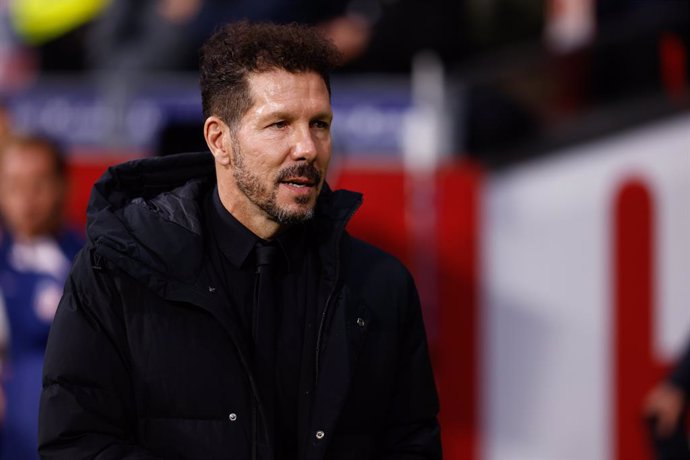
x=35, y=256
x=178, y=337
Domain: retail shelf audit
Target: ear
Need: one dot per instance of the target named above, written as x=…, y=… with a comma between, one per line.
x=217, y=135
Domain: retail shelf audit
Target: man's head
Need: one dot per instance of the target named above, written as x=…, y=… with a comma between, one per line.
x=32, y=186
x=266, y=98
x=240, y=49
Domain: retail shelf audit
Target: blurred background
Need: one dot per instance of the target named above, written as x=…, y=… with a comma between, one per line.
x=529, y=160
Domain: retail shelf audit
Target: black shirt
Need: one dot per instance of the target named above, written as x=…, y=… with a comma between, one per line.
x=296, y=292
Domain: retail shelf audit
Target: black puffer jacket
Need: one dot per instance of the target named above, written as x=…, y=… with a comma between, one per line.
x=144, y=360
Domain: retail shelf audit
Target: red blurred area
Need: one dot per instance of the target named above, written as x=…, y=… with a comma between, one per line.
x=83, y=170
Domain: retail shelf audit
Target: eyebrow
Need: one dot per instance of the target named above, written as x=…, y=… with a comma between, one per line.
x=321, y=115
x=286, y=115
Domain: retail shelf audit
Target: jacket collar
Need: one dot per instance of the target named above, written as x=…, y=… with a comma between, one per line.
x=145, y=216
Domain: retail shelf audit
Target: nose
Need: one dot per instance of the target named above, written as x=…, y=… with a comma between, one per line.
x=304, y=145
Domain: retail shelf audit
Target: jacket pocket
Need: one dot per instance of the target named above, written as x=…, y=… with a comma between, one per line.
x=195, y=439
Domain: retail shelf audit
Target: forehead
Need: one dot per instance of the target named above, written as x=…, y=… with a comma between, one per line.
x=279, y=90
x=25, y=158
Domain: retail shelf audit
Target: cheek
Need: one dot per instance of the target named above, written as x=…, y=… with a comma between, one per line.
x=18, y=211
x=266, y=158
x=266, y=169
x=325, y=158
x=47, y=201
x=46, y=197
x=30, y=200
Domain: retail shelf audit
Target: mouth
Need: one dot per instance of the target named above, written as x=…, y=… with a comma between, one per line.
x=303, y=177
x=299, y=182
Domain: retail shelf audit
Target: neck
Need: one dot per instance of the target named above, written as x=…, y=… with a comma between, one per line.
x=248, y=214
x=25, y=235
x=28, y=238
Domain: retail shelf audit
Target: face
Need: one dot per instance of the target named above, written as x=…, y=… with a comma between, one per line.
x=273, y=165
x=31, y=191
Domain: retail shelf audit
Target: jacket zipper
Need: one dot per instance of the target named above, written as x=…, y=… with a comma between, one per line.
x=318, y=336
x=330, y=294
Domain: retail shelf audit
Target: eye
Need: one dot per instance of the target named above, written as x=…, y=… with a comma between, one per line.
x=321, y=124
x=278, y=124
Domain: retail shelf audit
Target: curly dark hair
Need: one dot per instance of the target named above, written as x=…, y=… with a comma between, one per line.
x=238, y=49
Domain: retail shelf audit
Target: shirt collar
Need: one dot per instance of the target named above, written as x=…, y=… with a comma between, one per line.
x=234, y=239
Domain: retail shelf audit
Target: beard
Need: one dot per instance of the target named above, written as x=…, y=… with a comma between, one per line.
x=265, y=196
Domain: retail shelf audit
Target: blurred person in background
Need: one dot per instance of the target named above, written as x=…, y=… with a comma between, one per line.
x=666, y=404
x=36, y=251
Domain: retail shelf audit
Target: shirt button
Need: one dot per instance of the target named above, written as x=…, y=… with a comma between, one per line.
x=361, y=322
x=320, y=434
x=232, y=417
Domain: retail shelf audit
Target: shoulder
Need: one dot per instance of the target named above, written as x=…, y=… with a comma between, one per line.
x=369, y=266
x=92, y=279
x=360, y=251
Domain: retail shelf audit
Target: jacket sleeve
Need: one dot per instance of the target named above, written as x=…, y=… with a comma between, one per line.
x=412, y=430
x=87, y=407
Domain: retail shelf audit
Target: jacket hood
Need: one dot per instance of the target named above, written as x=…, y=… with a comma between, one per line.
x=145, y=216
